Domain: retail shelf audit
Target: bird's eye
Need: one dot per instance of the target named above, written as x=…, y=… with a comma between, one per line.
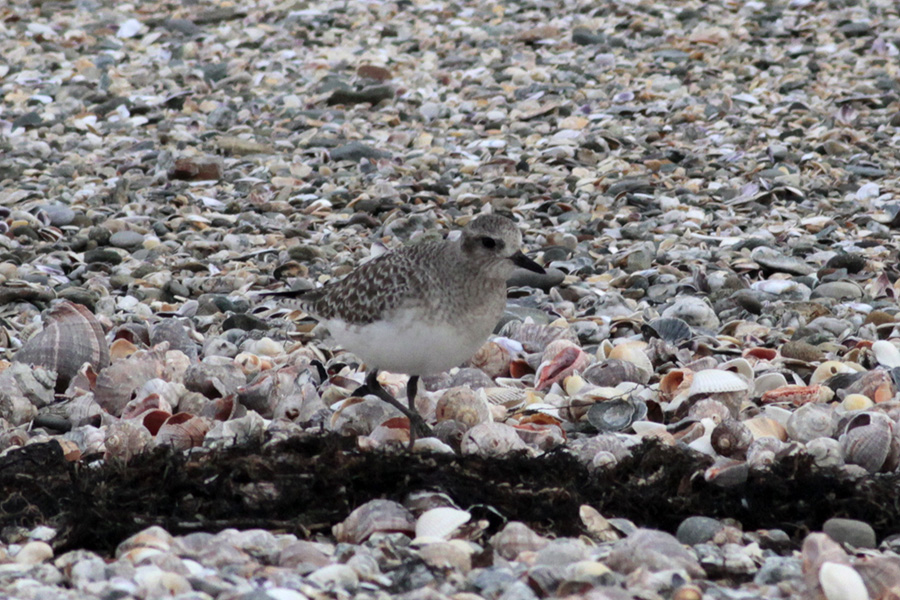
x=489, y=242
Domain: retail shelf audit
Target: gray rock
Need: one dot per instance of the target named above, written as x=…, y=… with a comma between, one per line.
x=126, y=239
x=59, y=214
x=585, y=37
x=356, y=151
x=698, y=530
x=542, y=281
x=858, y=534
x=839, y=290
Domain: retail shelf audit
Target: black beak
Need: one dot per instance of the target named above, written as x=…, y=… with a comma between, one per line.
x=520, y=260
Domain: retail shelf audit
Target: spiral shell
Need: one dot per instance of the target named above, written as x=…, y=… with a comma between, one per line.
x=71, y=337
x=811, y=421
x=182, y=431
x=493, y=359
x=731, y=438
x=463, y=405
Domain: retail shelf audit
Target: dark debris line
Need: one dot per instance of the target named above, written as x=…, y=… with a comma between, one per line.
x=282, y=487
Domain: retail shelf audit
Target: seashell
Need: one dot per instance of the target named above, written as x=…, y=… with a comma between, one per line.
x=491, y=439
x=760, y=353
x=670, y=329
x=121, y=348
x=708, y=408
x=764, y=451
x=798, y=395
x=829, y=369
x=853, y=402
x=540, y=435
x=117, y=382
x=762, y=427
x=729, y=388
x=71, y=337
x=454, y=556
x=741, y=366
x=841, y=582
x=801, y=351
x=612, y=371
x=392, y=431
x=886, y=353
x=881, y=575
x=633, y=352
x=375, y=516
x=439, y=524
x=535, y=338
x=516, y=538
x=265, y=346
x=360, y=416
x=334, y=579
x=675, y=382
x=811, y=421
x=249, y=429
x=877, y=384
x=176, y=334
x=560, y=359
x=586, y=449
x=597, y=526
x=125, y=440
x=767, y=382
x=140, y=406
x=182, y=431
x=825, y=452
x=510, y=398
x=731, y=439
x=493, y=359
x=463, y=405
x=616, y=415
x=866, y=440
x=251, y=363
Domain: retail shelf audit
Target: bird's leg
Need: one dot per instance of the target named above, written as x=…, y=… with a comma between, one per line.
x=416, y=422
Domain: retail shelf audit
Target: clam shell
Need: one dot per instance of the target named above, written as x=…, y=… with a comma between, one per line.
x=439, y=524
x=761, y=427
x=866, y=441
x=829, y=369
x=886, y=353
x=117, y=382
x=741, y=366
x=71, y=337
x=633, y=352
x=375, y=516
x=714, y=381
x=182, y=431
x=767, y=382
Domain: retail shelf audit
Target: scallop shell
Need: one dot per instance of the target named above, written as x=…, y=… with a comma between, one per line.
x=510, y=398
x=533, y=337
x=616, y=415
x=439, y=524
x=71, y=337
x=811, y=421
x=670, y=329
x=867, y=440
x=375, y=516
x=612, y=371
x=714, y=381
x=515, y=538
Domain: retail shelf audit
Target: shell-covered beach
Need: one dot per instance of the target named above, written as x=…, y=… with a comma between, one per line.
x=698, y=399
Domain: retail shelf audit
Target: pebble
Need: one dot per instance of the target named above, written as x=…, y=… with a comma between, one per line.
x=852, y=532
x=127, y=239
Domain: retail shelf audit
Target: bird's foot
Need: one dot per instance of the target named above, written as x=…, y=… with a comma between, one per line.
x=417, y=424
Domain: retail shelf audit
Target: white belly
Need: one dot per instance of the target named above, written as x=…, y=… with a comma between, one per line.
x=409, y=345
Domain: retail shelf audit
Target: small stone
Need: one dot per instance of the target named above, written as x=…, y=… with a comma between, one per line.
x=245, y=323
x=698, y=530
x=372, y=94
x=356, y=151
x=373, y=72
x=543, y=281
x=102, y=255
x=215, y=72
x=28, y=120
x=851, y=532
x=59, y=214
x=126, y=239
x=839, y=290
x=197, y=169
x=585, y=37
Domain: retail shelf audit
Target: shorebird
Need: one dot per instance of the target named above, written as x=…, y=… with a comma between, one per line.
x=421, y=309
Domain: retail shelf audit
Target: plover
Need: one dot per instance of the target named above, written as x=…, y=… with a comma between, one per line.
x=421, y=309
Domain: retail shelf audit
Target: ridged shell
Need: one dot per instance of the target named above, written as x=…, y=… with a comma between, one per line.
x=670, y=329
x=71, y=337
x=533, y=337
x=714, y=381
x=709, y=408
x=515, y=538
x=762, y=427
x=125, y=440
x=612, y=371
x=633, y=352
x=510, y=398
x=375, y=516
x=867, y=440
x=616, y=415
x=491, y=439
x=440, y=523
x=811, y=421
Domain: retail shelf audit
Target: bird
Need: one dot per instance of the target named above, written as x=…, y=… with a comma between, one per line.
x=423, y=308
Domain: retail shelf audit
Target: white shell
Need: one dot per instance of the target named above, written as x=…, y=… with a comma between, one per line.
x=768, y=381
x=886, y=353
x=741, y=366
x=841, y=582
x=438, y=524
x=714, y=381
